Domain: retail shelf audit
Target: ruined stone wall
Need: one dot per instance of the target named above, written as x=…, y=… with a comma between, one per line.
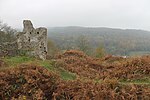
x=9, y=49
x=33, y=40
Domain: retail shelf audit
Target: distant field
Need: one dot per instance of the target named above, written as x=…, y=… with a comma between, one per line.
x=139, y=53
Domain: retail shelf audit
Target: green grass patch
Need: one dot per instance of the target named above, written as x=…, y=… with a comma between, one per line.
x=65, y=75
x=47, y=64
x=145, y=80
x=13, y=61
x=50, y=65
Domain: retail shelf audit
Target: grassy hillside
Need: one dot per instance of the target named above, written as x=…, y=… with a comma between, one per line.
x=50, y=65
x=75, y=76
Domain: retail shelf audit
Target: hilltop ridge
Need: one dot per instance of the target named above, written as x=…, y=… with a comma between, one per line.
x=115, y=41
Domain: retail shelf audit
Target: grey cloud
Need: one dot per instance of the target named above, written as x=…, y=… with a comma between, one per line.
x=102, y=13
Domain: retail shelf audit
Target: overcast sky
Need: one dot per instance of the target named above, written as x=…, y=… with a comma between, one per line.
x=100, y=13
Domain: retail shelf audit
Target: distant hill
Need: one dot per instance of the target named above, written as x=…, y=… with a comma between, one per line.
x=115, y=41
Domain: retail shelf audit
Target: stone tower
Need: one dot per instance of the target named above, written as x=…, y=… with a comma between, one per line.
x=33, y=40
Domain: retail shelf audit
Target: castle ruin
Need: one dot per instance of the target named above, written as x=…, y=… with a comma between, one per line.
x=33, y=40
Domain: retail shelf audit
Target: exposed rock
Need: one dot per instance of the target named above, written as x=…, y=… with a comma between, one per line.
x=33, y=40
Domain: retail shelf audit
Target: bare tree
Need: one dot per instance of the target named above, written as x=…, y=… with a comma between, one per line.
x=82, y=44
x=52, y=49
x=6, y=33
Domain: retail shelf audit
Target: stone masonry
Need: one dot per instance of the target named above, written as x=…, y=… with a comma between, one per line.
x=33, y=40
